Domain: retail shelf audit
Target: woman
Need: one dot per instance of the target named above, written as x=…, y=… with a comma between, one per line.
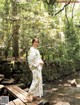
x=35, y=63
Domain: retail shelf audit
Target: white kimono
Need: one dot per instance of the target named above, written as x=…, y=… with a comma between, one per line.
x=34, y=59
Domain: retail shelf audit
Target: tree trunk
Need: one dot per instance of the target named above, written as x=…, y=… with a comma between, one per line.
x=6, y=22
x=15, y=29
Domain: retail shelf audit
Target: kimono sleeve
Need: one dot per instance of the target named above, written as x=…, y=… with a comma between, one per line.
x=32, y=58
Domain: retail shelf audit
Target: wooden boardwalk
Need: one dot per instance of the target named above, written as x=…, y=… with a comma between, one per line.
x=20, y=96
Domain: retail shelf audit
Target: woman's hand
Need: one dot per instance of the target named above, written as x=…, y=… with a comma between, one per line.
x=41, y=62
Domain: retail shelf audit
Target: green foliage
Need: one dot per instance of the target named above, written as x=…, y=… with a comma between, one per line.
x=59, y=35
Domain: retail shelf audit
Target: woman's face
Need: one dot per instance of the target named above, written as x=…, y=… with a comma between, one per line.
x=36, y=43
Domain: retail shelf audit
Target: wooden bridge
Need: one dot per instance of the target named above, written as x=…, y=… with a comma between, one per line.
x=21, y=97
x=19, y=94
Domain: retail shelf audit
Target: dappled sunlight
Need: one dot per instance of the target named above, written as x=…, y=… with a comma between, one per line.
x=77, y=96
x=51, y=90
x=62, y=103
x=62, y=92
x=66, y=84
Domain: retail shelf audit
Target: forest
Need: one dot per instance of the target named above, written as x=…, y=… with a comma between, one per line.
x=57, y=25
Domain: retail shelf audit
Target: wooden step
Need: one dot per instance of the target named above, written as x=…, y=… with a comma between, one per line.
x=1, y=77
x=11, y=103
x=18, y=102
x=22, y=97
x=19, y=94
x=8, y=81
x=1, y=86
x=16, y=93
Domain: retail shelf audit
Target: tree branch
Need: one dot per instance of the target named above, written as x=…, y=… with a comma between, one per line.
x=66, y=16
x=73, y=10
x=62, y=8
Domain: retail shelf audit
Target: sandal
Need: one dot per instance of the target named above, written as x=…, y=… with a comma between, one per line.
x=36, y=97
x=29, y=98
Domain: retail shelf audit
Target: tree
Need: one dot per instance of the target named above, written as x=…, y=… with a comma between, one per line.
x=15, y=28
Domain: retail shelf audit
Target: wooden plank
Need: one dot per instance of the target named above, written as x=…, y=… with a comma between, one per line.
x=20, y=90
x=24, y=93
x=36, y=102
x=1, y=77
x=11, y=103
x=1, y=86
x=18, y=102
x=16, y=93
x=20, y=94
x=8, y=81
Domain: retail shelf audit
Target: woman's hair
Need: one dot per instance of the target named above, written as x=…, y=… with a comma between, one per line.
x=35, y=39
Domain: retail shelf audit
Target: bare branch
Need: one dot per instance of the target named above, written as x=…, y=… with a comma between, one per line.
x=62, y=8
x=73, y=10
x=66, y=16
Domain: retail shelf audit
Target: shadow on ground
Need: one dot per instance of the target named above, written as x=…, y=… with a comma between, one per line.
x=62, y=93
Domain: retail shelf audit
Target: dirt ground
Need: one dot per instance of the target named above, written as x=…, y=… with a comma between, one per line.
x=62, y=93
